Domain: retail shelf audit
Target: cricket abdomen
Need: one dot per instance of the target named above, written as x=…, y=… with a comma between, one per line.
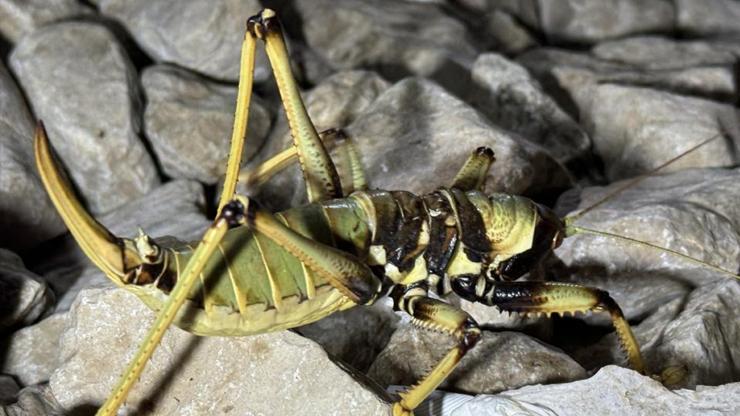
x=251, y=285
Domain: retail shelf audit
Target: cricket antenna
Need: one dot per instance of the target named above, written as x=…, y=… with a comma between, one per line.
x=571, y=219
x=572, y=229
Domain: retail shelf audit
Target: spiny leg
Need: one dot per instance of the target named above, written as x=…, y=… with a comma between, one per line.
x=319, y=172
x=194, y=268
x=434, y=314
x=352, y=277
x=472, y=176
x=332, y=139
x=241, y=116
x=552, y=297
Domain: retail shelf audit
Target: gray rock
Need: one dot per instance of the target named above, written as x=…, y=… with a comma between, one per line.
x=661, y=53
x=506, y=34
x=31, y=354
x=512, y=99
x=710, y=80
x=27, y=216
x=584, y=21
x=187, y=374
x=174, y=209
x=355, y=336
x=81, y=83
x=612, y=391
x=18, y=17
x=398, y=38
x=189, y=119
x=708, y=17
x=415, y=136
x=202, y=35
x=702, y=344
x=8, y=389
x=24, y=296
x=33, y=401
x=692, y=212
x=636, y=129
x=500, y=361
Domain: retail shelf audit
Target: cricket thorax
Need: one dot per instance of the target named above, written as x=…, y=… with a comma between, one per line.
x=451, y=234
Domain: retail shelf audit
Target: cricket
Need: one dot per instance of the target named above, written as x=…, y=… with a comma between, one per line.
x=255, y=271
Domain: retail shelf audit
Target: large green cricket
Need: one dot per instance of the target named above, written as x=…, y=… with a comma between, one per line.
x=255, y=271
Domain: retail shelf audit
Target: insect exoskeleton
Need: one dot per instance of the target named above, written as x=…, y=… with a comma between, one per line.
x=255, y=271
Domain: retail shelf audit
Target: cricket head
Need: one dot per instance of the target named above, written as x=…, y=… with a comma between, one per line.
x=121, y=259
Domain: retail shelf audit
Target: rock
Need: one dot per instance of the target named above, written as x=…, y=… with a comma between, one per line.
x=708, y=17
x=692, y=212
x=500, y=361
x=512, y=99
x=378, y=34
x=611, y=391
x=34, y=401
x=415, y=136
x=24, y=296
x=549, y=65
x=27, y=216
x=81, y=83
x=661, y=53
x=703, y=342
x=355, y=336
x=8, y=389
x=506, y=34
x=187, y=374
x=637, y=129
x=583, y=21
x=31, y=354
x=189, y=119
x=174, y=209
x=18, y=17
x=201, y=35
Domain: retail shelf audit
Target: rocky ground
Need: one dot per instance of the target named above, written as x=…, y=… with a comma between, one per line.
x=574, y=97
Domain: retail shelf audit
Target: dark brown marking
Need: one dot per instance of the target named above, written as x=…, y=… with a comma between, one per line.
x=442, y=237
x=472, y=228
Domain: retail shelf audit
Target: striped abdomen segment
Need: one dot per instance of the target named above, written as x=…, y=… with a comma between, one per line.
x=253, y=285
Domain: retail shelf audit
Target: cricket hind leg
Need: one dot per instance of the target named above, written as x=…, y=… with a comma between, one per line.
x=472, y=175
x=433, y=314
x=552, y=297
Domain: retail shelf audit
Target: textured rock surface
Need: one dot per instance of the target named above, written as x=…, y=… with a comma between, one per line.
x=174, y=209
x=24, y=296
x=512, y=99
x=637, y=129
x=8, y=389
x=31, y=354
x=189, y=120
x=80, y=82
x=203, y=35
x=612, y=391
x=379, y=33
x=586, y=21
x=33, y=401
x=355, y=336
x=18, y=17
x=711, y=80
x=98, y=344
x=26, y=214
x=693, y=212
x=500, y=361
x=709, y=17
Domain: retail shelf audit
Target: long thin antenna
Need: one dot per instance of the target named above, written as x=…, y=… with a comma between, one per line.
x=574, y=229
x=569, y=220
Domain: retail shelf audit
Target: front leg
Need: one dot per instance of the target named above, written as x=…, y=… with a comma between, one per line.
x=548, y=298
x=434, y=314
